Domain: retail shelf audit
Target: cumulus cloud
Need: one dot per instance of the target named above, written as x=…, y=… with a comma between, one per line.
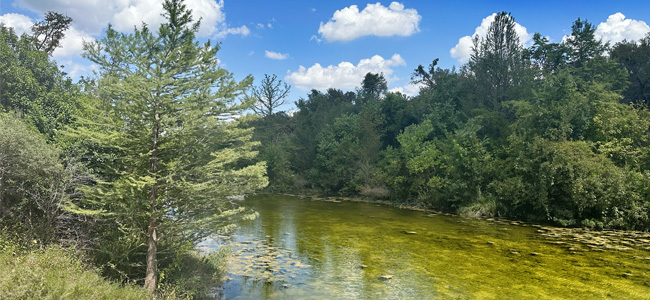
x=72, y=44
x=463, y=50
x=275, y=55
x=93, y=16
x=20, y=23
x=344, y=76
x=410, y=89
x=75, y=70
x=349, y=23
x=243, y=30
x=618, y=28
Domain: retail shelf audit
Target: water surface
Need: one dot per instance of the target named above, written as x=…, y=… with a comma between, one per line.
x=303, y=249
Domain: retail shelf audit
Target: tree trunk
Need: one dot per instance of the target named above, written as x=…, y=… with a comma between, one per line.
x=152, y=239
x=152, y=263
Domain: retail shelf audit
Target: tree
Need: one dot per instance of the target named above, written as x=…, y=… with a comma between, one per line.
x=497, y=63
x=582, y=43
x=546, y=56
x=373, y=85
x=31, y=178
x=635, y=57
x=420, y=76
x=175, y=163
x=269, y=95
x=48, y=34
x=32, y=85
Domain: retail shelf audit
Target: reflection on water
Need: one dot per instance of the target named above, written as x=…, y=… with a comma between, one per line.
x=302, y=249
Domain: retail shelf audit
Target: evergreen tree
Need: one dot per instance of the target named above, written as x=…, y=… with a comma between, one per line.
x=172, y=163
x=497, y=63
x=582, y=43
x=49, y=33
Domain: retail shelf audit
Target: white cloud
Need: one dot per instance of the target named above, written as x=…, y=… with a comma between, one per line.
x=243, y=30
x=348, y=23
x=75, y=70
x=20, y=23
x=315, y=38
x=463, y=50
x=93, y=16
x=345, y=75
x=409, y=89
x=618, y=28
x=72, y=44
x=275, y=55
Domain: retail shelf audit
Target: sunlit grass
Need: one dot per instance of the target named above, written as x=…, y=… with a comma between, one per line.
x=55, y=273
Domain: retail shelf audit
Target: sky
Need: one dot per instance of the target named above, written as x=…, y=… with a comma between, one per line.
x=323, y=44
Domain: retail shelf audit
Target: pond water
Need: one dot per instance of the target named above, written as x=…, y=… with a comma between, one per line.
x=304, y=249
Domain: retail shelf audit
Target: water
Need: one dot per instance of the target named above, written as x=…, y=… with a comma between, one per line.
x=303, y=249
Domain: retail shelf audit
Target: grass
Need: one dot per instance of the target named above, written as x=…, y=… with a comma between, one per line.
x=55, y=273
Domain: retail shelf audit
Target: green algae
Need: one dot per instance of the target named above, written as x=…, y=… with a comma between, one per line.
x=302, y=249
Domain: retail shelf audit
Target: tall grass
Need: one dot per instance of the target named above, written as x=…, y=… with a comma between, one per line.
x=55, y=273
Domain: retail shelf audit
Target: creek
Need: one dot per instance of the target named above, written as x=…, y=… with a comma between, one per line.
x=304, y=249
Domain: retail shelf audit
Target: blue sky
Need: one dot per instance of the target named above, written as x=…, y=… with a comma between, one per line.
x=318, y=44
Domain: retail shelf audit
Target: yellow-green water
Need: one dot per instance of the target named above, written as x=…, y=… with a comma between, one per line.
x=302, y=249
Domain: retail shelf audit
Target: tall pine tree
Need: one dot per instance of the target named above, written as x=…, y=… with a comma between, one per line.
x=170, y=161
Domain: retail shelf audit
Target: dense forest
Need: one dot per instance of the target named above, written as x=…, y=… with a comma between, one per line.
x=556, y=132
x=135, y=165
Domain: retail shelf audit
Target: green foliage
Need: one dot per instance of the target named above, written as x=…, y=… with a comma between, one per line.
x=166, y=160
x=373, y=86
x=275, y=133
x=32, y=85
x=497, y=65
x=635, y=58
x=537, y=134
x=55, y=273
x=570, y=183
x=194, y=275
x=338, y=155
x=49, y=33
x=582, y=45
x=32, y=180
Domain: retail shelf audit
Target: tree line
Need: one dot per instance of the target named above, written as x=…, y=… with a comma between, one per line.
x=554, y=132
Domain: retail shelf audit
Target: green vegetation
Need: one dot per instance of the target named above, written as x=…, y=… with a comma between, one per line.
x=55, y=273
x=133, y=167
x=557, y=132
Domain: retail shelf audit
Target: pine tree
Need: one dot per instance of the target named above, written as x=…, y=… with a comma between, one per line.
x=170, y=162
x=497, y=62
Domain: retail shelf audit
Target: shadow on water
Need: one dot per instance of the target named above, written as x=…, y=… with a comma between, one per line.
x=302, y=249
